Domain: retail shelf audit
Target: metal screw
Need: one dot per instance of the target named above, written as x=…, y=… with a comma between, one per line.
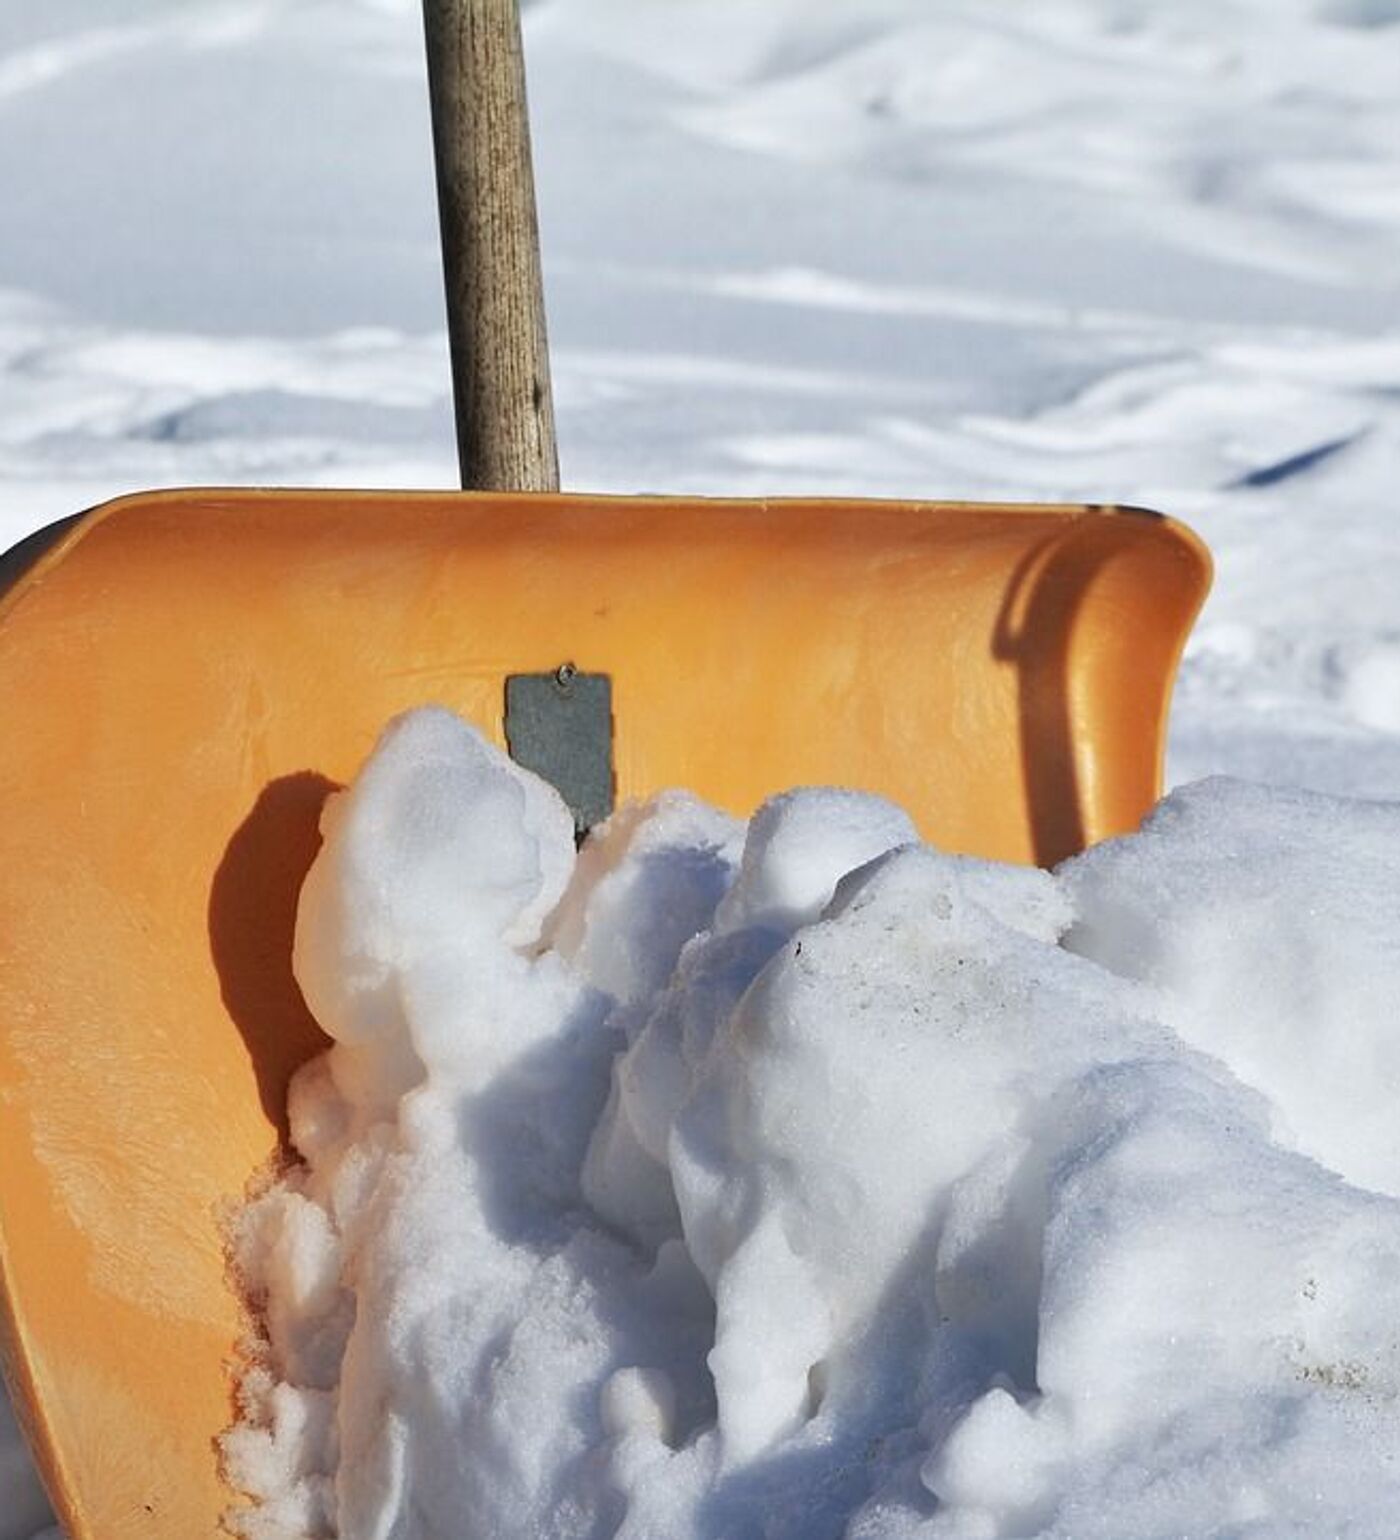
x=564, y=675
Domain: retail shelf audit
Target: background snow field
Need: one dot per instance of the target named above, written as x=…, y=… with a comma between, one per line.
x=1109, y=250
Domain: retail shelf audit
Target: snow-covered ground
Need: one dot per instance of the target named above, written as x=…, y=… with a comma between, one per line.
x=1115, y=250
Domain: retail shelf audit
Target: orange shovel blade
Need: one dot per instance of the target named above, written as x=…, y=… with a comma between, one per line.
x=186, y=674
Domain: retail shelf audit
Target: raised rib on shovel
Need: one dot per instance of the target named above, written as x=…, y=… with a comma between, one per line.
x=186, y=674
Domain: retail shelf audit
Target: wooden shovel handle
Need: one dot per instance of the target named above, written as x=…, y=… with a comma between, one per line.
x=490, y=246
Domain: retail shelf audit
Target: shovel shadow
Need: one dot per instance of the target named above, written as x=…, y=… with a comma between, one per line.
x=252, y=922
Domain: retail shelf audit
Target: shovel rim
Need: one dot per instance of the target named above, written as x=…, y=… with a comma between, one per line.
x=56, y=539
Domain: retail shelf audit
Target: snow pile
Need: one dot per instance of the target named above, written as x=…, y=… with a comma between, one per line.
x=802, y=1181
x=1265, y=924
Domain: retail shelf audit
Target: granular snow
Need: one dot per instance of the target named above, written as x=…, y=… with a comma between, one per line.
x=802, y=1181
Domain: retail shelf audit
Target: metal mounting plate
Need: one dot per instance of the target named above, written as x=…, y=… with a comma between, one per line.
x=560, y=726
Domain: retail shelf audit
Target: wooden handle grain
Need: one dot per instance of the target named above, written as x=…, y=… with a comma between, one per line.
x=490, y=246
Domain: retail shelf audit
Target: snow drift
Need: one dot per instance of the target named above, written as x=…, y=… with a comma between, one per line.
x=802, y=1180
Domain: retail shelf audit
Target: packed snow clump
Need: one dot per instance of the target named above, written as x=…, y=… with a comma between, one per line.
x=801, y=1180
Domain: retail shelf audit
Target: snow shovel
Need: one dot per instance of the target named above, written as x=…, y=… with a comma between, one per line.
x=186, y=675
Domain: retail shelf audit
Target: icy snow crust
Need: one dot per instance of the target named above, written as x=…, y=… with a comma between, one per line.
x=799, y=1180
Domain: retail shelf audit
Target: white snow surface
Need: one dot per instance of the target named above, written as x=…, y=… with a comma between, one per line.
x=1117, y=250
x=798, y=1181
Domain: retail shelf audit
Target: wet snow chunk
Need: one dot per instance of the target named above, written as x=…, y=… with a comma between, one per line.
x=1266, y=920
x=799, y=1180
